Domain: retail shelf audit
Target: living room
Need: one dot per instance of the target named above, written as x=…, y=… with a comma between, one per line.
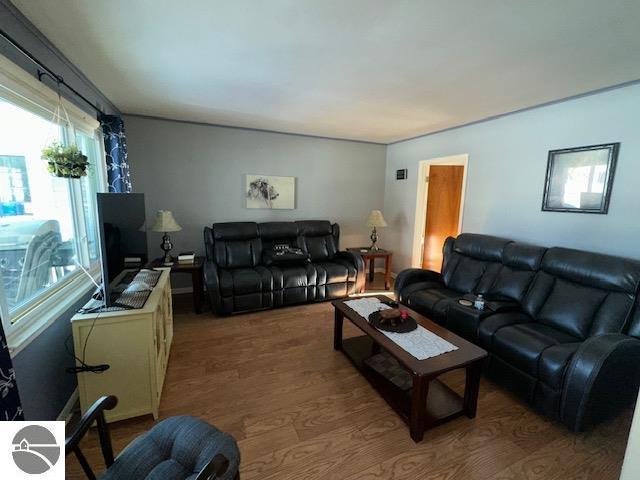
x=332, y=240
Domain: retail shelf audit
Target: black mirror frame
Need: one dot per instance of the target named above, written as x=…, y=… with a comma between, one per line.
x=608, y=184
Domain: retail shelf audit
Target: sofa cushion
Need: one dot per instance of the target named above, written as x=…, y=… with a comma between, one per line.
x=523, y=345
x=520, y=261
x=433, y=303
x=331, y=272
x=235, y=230
x=571, y=307
x=481, y=247
x=606, y=272
x=471, y=262
x=317, y=237
x=465, y=275
x=239, y=281
x=319, y=248
x=493, y=323
x=583, y=293
x=511, y=283
x=407, y=291
x=236, y=244
x=278, y=233
x=293, y=276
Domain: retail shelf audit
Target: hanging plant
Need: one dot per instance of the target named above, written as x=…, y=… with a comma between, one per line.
x=65, y=162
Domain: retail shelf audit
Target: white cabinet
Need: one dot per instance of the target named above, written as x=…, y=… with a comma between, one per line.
x=136, y=345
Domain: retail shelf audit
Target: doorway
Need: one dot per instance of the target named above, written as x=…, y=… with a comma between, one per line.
x=439, y=207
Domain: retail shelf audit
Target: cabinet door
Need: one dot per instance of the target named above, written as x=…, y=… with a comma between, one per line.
x=124, y=346
x=168, y=318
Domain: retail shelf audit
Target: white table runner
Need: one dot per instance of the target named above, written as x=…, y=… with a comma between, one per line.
x=421, y=343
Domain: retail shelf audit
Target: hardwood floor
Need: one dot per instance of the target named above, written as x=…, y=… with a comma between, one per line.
x=299, y=411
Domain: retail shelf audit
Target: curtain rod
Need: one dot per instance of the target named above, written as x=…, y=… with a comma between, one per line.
x=46, y=71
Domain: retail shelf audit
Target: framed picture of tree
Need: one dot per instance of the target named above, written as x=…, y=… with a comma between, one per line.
x=580, y=179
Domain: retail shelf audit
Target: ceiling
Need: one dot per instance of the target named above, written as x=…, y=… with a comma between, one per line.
x=373, y=70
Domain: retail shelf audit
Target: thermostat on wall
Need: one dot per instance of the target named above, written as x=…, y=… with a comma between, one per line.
x=401, y=174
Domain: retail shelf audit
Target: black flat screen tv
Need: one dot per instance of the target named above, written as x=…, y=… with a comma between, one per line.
x=123, y=236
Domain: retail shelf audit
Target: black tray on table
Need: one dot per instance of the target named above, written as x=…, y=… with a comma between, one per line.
x=407, y=326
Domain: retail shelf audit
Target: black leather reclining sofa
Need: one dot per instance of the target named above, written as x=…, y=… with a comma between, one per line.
x=561, y=326
x=243, y=273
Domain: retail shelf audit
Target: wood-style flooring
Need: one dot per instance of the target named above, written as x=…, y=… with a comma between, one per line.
x=300, y=411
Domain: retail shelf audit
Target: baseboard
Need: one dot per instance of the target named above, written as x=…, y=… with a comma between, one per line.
x=67, y=410
x=382, y=270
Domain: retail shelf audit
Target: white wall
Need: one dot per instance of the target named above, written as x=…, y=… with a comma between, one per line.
x=631, y=466
x=197, y=171
x=507, y=166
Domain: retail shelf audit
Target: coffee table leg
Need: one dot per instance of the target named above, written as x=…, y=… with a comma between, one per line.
x=337, y=330
x=472, y=388
x=419, y=394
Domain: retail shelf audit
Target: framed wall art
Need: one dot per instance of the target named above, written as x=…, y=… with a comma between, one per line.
x=269, y=191
x=580, y=179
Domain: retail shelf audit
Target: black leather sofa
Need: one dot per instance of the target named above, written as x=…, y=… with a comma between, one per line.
x=561, y=326
x=243, y=273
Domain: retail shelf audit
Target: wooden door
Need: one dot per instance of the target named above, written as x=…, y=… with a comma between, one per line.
x=444, y=194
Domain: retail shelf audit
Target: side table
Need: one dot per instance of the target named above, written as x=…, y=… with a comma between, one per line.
x=197, y=273
x=370, y=256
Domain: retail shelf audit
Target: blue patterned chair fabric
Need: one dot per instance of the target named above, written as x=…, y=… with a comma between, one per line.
x=177, y=448
x=10, y=408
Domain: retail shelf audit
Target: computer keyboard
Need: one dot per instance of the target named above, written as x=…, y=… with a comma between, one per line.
x=137, y=292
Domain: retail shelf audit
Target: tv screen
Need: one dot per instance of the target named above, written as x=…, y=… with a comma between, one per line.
x=123, y=235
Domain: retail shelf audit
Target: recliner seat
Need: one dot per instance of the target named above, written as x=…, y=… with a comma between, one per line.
x=559, y=323
x=242, y=274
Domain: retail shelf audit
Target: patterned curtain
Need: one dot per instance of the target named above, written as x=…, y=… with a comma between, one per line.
x=10, y=408
x=115, y=147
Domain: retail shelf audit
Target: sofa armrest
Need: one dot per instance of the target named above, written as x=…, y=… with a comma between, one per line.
x=208, y=243
x=602, y=377
x=358, y=262
x=212, y=281
x=414, y=275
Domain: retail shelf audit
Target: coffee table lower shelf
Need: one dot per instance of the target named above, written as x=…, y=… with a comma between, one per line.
x=442, y=403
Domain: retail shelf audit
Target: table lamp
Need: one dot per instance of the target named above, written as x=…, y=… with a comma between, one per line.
x=375, y=220
x=166, y=223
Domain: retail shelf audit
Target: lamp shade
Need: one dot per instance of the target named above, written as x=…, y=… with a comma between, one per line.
x=376, y=219
x=165, y=222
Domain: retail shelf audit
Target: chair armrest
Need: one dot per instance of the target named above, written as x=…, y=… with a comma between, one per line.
x=208, y=243
x=95, y=413
x=602, y=377
x=414, y=275
x=215, y=468
x=212, y=281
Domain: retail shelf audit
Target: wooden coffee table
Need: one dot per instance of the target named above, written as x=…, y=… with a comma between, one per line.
x=429, y=402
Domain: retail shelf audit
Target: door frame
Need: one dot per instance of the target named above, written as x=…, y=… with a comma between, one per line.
x=421, y=200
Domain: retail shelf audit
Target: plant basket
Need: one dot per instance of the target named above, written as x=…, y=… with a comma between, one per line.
x=65, y=162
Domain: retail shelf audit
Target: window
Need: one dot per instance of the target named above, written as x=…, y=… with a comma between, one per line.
x=48, y=225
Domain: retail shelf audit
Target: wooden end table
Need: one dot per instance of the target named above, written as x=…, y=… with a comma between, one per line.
x=197, y=274
x=370, y=256
x=429, y=402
